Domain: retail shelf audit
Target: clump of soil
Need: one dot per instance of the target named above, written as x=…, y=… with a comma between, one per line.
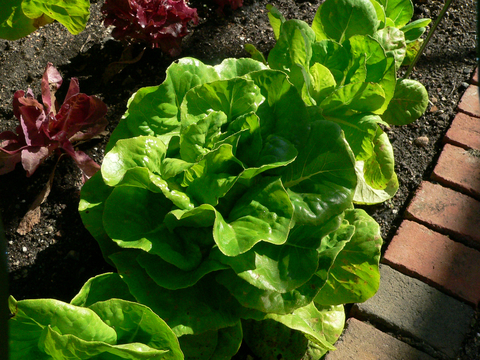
x=59, y=255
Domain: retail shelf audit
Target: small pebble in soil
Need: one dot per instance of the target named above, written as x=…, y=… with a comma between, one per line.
x=421, y=141
x=24, y=249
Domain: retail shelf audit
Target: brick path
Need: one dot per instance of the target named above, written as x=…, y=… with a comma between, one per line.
x=430, y=272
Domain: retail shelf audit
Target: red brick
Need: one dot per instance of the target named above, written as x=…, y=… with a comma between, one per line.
x=459, y=169
x=475, y=77
x=470, y=103
x=361, y=341
x=464, y=132
x=447, y=211
x=437, y=260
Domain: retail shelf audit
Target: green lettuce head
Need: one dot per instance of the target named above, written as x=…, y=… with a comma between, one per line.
x=222, y=199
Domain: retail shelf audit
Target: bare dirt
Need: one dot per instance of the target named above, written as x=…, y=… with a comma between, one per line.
x=59, y=255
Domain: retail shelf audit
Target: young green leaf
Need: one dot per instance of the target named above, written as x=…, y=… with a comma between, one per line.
x=60, y=346
x=197, y=139
x=154, y=110
x=276, y=153
x=355, y=277
x=388, y=83
x=317, y=26
x=64, y=318
x=322, y=82
x=393, y=41
x=399, y=11
x=51, y=329
x=321, y=167
x=321, y=325
x=255, y=53
x=377, y=181
x=360, y=97
x=136, y=323
x=101, y=288
x=293, y=50
x=415, y=29
x=263, y=213
x=143, y=152
x=138, y=227
x=14, y=24
x=367, y=195
x=408, y=103
x=379, y=166
x=276, y=20
x=73, y=15
x=231, y=68
x=341, y=19
x=333, y=56
x=268, y=301
x=233, y=97
x=128, y=164
x=379, y=9
x=375, y=58
x=283, y=112
x=211, y=178
x=273, y=267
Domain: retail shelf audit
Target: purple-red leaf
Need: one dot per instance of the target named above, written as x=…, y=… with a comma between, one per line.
x=51, y=82
x=83, y=161
x=73, y=89
x=33, y=156
x=79, y=113
x=159, y=23
x=32, y=120
x=8, y=161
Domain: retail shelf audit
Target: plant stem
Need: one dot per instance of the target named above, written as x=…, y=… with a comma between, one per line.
x=430, y=33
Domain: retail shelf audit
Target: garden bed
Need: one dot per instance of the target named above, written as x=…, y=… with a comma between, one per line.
x=59, y=255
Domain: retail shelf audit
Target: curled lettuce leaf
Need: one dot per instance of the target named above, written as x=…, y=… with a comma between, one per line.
x=117, y=329
x=22, y=17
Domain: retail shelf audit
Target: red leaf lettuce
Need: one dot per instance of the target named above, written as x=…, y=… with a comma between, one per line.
x=159, y=23
x=47, y=127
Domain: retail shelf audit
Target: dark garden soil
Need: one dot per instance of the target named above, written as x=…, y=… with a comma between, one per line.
x=59, y=255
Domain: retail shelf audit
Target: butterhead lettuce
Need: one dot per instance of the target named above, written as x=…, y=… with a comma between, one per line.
x=222, y=199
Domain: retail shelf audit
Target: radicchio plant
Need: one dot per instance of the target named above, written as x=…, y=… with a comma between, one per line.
x=159, y=23
x=48, y=127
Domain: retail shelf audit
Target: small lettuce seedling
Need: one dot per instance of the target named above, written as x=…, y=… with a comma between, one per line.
x=159, y=24
x=48, y=127
x=18, y=18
